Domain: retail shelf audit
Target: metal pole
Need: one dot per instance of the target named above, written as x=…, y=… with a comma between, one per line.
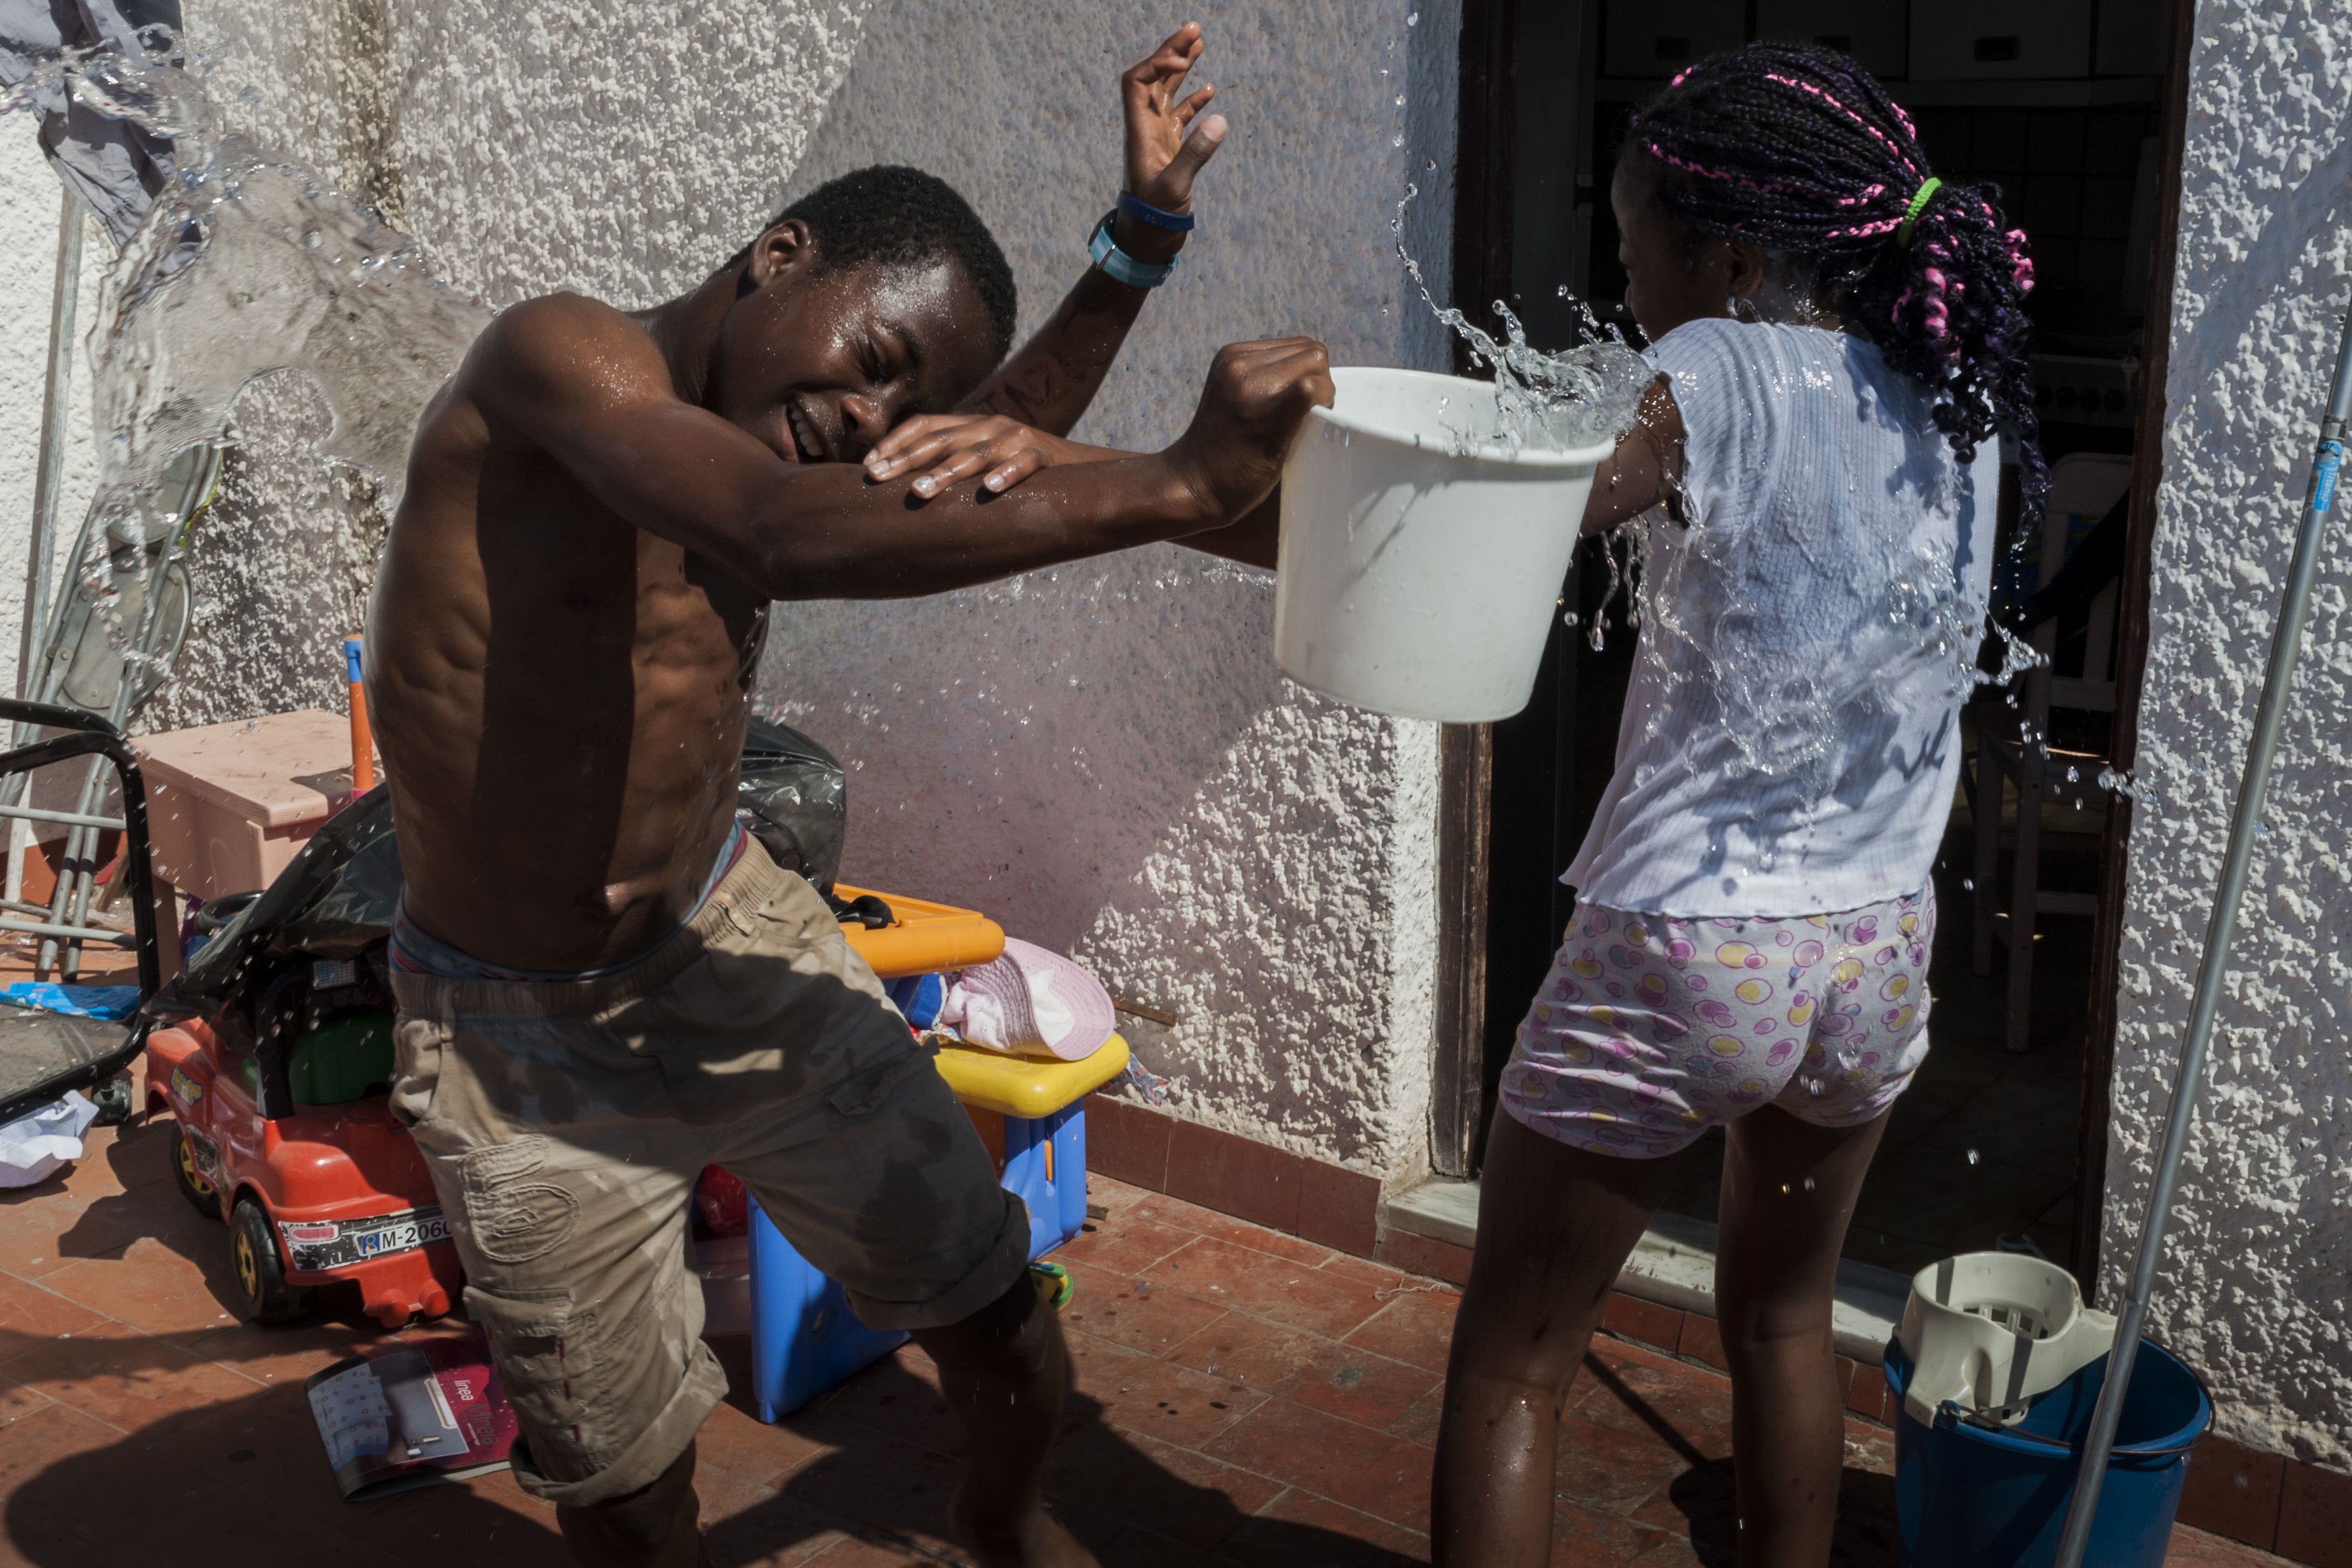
x=2286, y=642
x=47, y=477
x=51, y=471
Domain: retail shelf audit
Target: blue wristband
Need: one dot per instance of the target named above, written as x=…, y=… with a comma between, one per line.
x=1142, y=211
x=1125, y=269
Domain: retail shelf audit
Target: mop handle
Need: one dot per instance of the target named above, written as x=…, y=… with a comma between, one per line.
x=2286, y=643
x=362, y=743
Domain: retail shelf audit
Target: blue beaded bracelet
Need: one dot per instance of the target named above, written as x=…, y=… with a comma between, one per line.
x=1142, y=211
x=1125, y=269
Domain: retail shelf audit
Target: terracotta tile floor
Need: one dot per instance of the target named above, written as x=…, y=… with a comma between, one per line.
x=1244, y=1398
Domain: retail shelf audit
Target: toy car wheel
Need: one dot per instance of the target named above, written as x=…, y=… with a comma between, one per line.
x=266, y=1298
x=201, y=1193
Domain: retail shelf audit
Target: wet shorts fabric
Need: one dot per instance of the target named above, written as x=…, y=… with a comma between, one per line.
x=1649, y=1030
x=566, y=1121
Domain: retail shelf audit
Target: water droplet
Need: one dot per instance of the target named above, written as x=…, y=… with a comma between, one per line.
x=1412, y=19
x=1973, y=1156
x=310, y=239
x=1808, y=1183
x=1968, y=884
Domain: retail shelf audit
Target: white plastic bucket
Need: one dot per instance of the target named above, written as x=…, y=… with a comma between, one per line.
x=1412, y=580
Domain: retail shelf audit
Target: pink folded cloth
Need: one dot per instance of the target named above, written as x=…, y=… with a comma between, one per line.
x=1030, y=1002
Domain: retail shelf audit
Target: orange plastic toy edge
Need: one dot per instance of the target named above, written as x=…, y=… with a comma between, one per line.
x=926, y=939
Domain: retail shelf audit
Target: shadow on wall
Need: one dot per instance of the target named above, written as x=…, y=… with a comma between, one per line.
x=1103, y=756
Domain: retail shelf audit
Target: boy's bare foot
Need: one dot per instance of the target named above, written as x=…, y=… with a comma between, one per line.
x=1030, y=1539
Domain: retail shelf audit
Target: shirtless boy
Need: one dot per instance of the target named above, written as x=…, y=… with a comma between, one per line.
x=603, y=985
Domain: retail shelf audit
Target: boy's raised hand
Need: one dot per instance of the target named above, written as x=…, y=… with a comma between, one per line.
x=1168, y=140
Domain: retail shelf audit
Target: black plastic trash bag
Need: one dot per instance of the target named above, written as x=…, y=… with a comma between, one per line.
x=794, y=799
x=334, y=901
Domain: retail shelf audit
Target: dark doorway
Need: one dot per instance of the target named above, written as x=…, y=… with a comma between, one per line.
x=1989, y=1147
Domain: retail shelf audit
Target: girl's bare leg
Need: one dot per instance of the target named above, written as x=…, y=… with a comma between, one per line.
x=1789, y=1188
x=1555, y=1224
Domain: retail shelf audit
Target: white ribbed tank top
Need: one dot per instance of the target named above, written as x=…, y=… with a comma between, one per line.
x=1792, y=740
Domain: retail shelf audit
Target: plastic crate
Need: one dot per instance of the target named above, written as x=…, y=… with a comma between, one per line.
x=804, y=1338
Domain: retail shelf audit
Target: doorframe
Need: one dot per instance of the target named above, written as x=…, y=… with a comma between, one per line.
x=1485, y=169
x=2131, y=663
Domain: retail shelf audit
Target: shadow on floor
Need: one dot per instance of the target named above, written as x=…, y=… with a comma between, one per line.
x=1707, y=1495
x=898, y=1462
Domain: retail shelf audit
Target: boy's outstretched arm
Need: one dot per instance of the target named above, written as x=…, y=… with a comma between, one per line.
x=1049, y=380
x=827, y=530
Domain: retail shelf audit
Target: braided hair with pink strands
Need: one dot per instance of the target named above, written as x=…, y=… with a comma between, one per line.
x=1800, y=151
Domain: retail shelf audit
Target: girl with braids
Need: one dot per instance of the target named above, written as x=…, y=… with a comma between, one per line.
x=1839, y=334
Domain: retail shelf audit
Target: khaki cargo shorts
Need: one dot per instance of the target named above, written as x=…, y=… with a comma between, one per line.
x=565, y=1123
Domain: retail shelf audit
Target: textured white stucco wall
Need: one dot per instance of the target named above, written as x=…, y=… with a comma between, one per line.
x=1104, y=757
x=2254, y=1288
x=29, y=253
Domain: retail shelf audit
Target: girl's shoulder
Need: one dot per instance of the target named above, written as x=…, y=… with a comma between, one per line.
x=1724, y=368
x=1756, y=357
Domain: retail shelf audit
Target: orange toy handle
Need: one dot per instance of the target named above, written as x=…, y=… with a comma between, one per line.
x=362, y=744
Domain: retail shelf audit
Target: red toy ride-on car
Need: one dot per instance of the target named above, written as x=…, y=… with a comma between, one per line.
x=330, y=1191
x=277, y=1063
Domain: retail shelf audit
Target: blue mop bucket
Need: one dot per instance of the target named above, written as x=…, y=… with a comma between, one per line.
x=1970, y=1495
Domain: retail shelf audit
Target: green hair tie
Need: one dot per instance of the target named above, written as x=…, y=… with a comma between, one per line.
x=1918, y=205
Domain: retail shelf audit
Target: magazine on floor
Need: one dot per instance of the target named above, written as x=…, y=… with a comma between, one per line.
x=411, y=1414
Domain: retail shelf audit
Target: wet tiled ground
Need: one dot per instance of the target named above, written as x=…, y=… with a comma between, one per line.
x=1244, y=1398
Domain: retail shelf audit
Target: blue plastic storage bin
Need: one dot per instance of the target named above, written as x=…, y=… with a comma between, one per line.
x=1968, y=1497
x=1046, y=1164
x=804, y=1338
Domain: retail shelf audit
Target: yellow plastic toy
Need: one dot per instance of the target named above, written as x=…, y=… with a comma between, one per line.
x=1028, y=1087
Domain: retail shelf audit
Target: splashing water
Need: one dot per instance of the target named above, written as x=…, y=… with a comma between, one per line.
x=1580, y=397
x=1778, y=718
x=246, y=266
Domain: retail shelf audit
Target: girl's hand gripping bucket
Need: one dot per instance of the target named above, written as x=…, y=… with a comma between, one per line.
x=1414, y=581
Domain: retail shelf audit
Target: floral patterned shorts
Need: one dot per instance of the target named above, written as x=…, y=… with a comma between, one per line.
x=1649, y=1030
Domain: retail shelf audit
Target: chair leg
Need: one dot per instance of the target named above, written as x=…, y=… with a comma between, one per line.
x=2025, y=885
x=1992, y=786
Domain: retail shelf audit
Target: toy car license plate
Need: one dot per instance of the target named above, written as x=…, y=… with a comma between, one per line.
x=401, y=1235
x=316, y=1245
